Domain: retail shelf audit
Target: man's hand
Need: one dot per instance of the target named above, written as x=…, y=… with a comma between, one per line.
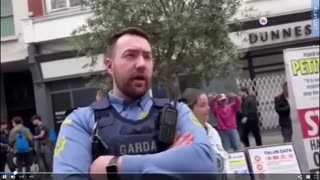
x=98, y=167
x=244, y=120
x=184, y=139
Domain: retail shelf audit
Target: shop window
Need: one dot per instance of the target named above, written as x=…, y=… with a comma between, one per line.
x=189, y=81
x=58, y=85
x=84, y=97
x=65, y=85
x=159, y=91
x=61, y=101
x=78, y=83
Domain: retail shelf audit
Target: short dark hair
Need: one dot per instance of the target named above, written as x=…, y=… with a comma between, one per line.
x=244, y=89
x=17, y=120
x=36, y=117
x=114, y=38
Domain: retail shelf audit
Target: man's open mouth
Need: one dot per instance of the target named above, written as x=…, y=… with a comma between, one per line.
x=139, y=78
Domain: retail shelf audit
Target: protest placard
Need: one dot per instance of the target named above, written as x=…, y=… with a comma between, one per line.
x=268, y=161
x=237, y=163
x=237, y=166
x=302, y=71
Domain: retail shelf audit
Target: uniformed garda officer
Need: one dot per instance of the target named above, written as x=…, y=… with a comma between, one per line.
x=118, y=133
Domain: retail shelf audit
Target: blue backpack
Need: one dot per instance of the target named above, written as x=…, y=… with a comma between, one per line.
x=21, y=142
x=52, y=135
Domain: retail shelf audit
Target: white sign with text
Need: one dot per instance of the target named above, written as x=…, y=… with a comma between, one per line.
x=302, y=69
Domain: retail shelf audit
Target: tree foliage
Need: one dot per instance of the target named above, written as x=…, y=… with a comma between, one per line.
x=187, y=36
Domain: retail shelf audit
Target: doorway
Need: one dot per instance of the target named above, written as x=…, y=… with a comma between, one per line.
x=20, y=96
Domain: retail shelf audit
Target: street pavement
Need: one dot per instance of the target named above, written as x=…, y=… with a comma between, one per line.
x=269, y=137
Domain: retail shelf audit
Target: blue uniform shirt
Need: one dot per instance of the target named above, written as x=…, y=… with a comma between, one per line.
x=73, y=148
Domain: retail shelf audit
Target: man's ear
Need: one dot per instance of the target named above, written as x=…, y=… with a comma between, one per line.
x=108, y=65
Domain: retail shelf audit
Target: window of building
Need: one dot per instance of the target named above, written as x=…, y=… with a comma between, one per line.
x=61, y=101
x=69, y=94
x=159, y=90
x=84, y=97
x=53, y=5
x=7, y=25
x=57, y=4
x=74, y=3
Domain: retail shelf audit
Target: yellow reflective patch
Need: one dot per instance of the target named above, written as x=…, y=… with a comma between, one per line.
x=143, y=115
x=67, y=121
x=194, y=119
x=60, y=145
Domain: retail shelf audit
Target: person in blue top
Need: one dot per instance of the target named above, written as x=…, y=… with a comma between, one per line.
x=125, y=124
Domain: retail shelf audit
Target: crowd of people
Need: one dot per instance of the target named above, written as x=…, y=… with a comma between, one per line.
x=20, y=148
x=237, y=116
x=224, y=137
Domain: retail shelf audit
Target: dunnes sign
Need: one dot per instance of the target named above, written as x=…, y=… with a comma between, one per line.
x=276, y=34
x=271, y=35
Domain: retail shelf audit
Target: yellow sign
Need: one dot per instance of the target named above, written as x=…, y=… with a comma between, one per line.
x=67, y=121
x=239, y=161
x=143, y=115
x=60, y=145
x=305, y=66
x=194, y=119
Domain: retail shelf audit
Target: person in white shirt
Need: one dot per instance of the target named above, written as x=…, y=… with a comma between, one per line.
x=198, y=102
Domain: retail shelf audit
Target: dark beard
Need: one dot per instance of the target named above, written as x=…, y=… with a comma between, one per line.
x=128, y=90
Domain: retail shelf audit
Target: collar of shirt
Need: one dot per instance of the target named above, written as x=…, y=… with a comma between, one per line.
x=209, y=129
x=120, y=104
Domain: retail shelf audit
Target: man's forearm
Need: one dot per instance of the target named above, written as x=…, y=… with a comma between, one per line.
x=11, y=139
x=237, y=103
x=172, y=160
x=39, y=136
x=283, y=109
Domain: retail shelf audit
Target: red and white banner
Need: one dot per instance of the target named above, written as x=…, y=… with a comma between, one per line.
x=302, y=69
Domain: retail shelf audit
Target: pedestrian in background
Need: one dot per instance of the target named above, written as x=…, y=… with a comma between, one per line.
x=282, y=107
x=226, y=119
x=239, y=124
x=20, y=140
x=43, y=145
x=249, y=116
x=4, y=145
